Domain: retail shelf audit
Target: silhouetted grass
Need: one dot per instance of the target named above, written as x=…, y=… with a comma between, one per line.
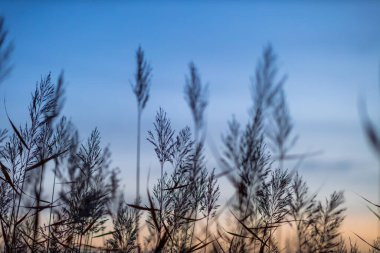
x=182, y=211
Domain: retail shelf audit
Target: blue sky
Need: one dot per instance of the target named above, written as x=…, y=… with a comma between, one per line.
x=330, y=51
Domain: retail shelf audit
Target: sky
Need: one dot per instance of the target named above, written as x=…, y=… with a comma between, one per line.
x=330, y=51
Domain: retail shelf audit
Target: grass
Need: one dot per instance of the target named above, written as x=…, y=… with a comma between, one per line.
x=185, y=200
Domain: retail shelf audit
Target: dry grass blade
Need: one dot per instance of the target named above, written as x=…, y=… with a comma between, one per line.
x=175, y=187
x=104, y=234
x=89, y=226
x=142, y=208
x=4, y=170
x=239, y=235
x=199, y=246
x=369, y=201
x=372, y=246
x=61, y=222
x=17, y=132
x=44, y=161
x=372, y=211
x=191, y=219
x=22, y=218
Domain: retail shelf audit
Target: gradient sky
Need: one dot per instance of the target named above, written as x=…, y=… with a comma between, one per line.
x=329, y=50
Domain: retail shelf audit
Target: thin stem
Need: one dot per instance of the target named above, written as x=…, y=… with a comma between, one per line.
x=161, y=188
x=138, y=174
x=138, y=156
x=51, y=210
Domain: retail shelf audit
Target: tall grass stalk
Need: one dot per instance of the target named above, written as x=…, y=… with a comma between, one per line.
x=140, y=88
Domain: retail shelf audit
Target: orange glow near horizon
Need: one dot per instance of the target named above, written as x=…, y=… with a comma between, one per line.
x=365, y=226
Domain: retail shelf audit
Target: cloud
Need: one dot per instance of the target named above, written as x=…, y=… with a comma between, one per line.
x=333, y=165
